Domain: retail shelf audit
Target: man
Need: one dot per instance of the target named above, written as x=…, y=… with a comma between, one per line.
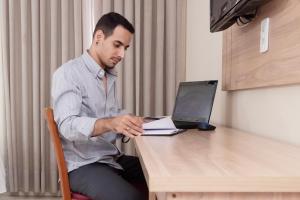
x=89, y=119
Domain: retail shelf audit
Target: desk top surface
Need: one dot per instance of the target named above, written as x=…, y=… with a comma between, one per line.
x=224, y=160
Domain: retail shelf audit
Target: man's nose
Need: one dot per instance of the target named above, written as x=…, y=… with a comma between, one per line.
x=122, y=53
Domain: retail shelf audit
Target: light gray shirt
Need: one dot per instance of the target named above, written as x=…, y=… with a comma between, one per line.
x=79, y=99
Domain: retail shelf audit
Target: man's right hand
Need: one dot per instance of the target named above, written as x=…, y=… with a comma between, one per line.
x=128, y=125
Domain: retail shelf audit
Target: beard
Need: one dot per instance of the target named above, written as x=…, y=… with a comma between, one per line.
x=112, y=63
x=108, y=64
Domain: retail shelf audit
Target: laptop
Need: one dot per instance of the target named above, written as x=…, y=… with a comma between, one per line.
x=193, y=105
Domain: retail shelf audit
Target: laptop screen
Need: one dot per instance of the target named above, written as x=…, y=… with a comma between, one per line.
x=194, y=101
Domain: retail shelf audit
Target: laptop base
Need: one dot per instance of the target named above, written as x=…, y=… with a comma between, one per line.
x=205, y=127
x=185, y=125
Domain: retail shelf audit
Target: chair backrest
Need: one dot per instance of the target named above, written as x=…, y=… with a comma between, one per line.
x=60, y=159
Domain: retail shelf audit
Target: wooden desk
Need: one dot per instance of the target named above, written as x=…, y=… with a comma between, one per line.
x=225, y=164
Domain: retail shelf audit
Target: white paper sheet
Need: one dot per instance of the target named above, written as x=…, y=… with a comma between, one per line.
x=161, y=132
x=164, y=123
x=164, y=126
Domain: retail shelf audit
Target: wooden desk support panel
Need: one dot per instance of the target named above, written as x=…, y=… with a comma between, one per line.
x=245, y=67
x=224, y=164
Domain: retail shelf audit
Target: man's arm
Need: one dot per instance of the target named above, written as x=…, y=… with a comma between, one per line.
x=67, y=101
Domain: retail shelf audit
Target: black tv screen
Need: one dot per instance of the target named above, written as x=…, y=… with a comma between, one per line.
x=224, y=13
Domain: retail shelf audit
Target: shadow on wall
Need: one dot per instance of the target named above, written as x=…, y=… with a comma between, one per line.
x=228, y=108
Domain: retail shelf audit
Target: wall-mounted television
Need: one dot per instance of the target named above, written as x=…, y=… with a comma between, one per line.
x=224, y=13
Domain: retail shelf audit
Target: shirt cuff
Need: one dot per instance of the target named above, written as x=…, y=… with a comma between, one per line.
x=86, y=125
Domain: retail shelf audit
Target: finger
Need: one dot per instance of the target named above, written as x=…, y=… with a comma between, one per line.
x=133, y=130
x=134, y=123
x=137, y=131
x=137, y=121
x=127, y=133
x=136, y=128
x=125, y=122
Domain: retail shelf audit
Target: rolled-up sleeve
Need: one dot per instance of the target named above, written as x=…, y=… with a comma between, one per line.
x=66, y=101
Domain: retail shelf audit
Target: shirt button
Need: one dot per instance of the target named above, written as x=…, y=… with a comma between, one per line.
x=101, y=74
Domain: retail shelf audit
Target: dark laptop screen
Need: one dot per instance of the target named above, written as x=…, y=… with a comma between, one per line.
x=194, y=101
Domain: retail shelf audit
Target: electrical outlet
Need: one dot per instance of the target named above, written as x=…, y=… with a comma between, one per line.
x=264, y=35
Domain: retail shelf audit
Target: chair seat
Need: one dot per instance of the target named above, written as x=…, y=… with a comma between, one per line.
x=77, y=196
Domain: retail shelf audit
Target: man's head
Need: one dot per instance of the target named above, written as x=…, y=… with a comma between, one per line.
x=111, y=38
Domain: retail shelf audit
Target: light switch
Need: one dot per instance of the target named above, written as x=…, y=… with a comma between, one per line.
x=264, y=35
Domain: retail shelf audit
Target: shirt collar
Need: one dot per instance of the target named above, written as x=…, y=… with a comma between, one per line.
x=94, y=67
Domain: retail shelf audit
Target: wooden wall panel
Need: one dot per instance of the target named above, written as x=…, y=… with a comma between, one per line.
x=245, y=67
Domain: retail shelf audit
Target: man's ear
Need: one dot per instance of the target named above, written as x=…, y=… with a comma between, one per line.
x=99, y=36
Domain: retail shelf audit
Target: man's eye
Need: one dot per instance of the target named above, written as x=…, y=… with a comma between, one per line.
x=117, y=45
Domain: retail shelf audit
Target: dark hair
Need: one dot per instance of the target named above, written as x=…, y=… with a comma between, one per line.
x=108, y=22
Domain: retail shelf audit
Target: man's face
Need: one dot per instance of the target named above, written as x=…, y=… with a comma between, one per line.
x=111, y=49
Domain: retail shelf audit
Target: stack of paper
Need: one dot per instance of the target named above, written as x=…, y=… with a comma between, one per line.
x=164, y=126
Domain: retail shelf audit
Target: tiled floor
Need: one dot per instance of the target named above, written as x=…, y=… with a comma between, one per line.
x=6, y=197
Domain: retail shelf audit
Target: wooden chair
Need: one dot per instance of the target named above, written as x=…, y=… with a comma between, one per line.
x=60, y=159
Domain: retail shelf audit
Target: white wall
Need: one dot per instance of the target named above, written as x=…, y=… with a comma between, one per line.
x=273, y=112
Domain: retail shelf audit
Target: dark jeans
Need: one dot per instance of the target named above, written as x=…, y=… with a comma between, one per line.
x=102, y=182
